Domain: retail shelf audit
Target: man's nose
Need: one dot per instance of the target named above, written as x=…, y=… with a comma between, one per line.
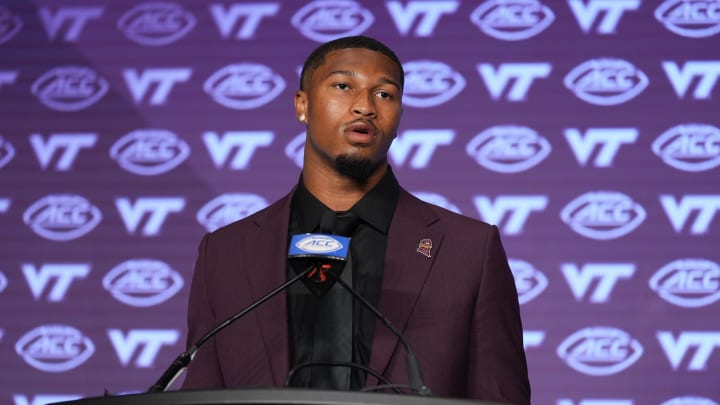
x=364, y=105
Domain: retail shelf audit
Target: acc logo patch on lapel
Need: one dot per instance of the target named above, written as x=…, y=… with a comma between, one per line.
x=425, y=246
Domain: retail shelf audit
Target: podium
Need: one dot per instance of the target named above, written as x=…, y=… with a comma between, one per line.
x=293, y=396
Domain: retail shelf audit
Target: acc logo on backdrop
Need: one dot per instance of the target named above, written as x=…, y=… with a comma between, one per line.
x=603, y=215
x=156, y=23
x=437, y=199
x=690, y=18
x=529, y=281
x=228, y=208
x=244, y=86
x=295, y=149
x=142, y=282
x=7, y=152
x=54, y=348
x=508, y=148
x=429, y=83
x=62, y=217
x=149, y=152
x=10, y=25
x=689, y=283
x=600, y=350
x=606, y=81
x=69, y=88
x=688, y=400
x=689, y=147
x=512, y=20
x=324, y=21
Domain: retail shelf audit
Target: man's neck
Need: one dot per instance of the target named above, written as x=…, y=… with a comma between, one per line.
x=338, y=192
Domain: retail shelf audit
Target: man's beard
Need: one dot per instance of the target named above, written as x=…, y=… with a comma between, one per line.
x=354, y=167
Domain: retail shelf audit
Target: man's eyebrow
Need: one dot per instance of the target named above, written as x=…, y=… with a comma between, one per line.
x=382, y=79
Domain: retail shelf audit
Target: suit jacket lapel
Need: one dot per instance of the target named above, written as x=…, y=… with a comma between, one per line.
x=404, y=275
x=267, y=270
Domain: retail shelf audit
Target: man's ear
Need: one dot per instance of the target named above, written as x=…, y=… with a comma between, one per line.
x=301, y=106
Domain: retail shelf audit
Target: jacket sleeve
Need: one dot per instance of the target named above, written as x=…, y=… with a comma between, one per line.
x=498, y=368
x=204, y=370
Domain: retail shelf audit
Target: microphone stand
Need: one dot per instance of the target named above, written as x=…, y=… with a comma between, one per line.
x=182, y=361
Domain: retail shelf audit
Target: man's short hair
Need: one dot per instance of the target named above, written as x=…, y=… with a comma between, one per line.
x=317, y=57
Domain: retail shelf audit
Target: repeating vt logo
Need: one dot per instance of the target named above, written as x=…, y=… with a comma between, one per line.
x=147, y=341
x=607, y=141
x=428, y=12
x=4, y=205
x=690, y=18
x=56, y=278
x=689, y=401
x=142, y=282
x=429, y=83
x=228, y=208
x=594, y=401
x=606, y=81
x=66, y=145
x=515, y=77
x=701, y=74
x=149, y=152
x=533, y=338
x=76, y=18
x=689, y=147
x=508, y=148
x=248, y=16
x=437, y=199
x=295, y=149
x=7, y=152
x=600, y=350
x=54, y=348
x=611, y=11
x=156, y=83
x=607, y=275
x=703, y=344
x=62, y=217
x=689, y=283
x=154, y=209
x=244, y=86
x=43, y=399
x=529, y=281
x=156, y=23
x=10, y=24
x=69, y=88
x=7, y=76
x=418, y=146
x=516, y=209
x=680, y=211
x=603, y=215
x=235, y=149
x=325, y=20
x=512, y=20
x=3, y=284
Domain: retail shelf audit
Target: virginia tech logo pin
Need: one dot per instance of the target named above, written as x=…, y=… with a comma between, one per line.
x=425, y=246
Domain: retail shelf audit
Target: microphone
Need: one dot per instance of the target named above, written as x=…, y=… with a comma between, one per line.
x=415, y=375
x=332, y=248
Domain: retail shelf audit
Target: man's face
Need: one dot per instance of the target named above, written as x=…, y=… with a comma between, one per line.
x=352, y=108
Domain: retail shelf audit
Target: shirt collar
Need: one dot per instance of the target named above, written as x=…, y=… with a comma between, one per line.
x=376, y=208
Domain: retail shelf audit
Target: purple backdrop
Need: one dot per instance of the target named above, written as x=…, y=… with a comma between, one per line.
x=587, y=130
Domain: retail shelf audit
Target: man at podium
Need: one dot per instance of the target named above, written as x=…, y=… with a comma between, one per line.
x=440, y=278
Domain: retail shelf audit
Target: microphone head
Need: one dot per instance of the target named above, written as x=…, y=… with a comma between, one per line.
x=324, y=253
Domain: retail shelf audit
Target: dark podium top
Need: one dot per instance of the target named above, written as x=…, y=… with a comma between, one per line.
x=272, y=396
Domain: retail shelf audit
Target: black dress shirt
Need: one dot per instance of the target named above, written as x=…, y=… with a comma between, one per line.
x=367, y=252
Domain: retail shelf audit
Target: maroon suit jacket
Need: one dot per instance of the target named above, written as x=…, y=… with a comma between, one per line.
x=458, y=308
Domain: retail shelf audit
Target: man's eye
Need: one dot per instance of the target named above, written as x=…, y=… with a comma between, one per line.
x=342, y=86
x=384, y=95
